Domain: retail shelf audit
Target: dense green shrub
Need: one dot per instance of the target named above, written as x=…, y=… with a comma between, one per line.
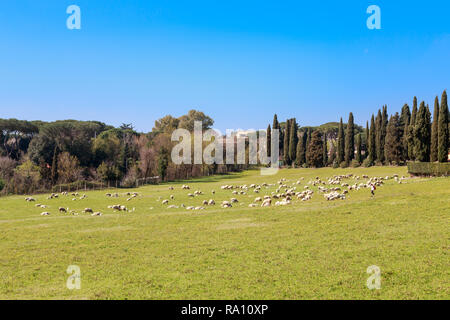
x=2, y=184
x=429, y=168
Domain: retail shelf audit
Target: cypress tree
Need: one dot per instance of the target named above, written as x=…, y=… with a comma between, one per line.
x=298, y=156
x=404, y=117
x=404, y=123
x=443, y=131
x=268, y=140
x=384, y=123
x=422, y=134
x=378, y=136
x=358, y=148
x=410, y=135
x=315, y=150
x=350, y=140
x=341, y=143
x=286, y=158
x=372, y=141
x=325, y=150
x=434, y=132
x=308, y=139
x=393, y=147
x=365, y=143
x=301, y=149
x=293, y=140
x=276, y=125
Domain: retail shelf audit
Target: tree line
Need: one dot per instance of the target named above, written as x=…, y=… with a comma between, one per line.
x=409, y=136
x=36, y=155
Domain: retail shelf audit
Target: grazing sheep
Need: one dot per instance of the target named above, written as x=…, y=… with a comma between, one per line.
x=190, y=208
x=45, y=213
x=170, y=188
x=211, y=202
x=213, y=192
x=252, y=205
x=62, y=210
x=234, y=200
x=96, y=214
x=165, y=201
x=258, y=199
x=172, y=206
x=266, y=203
x=88, y=210
x=29, y=199
x=190, y=195
x=226, y=204
x=172, y=197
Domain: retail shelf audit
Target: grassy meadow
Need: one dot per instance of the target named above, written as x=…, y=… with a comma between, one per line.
x=315, y=249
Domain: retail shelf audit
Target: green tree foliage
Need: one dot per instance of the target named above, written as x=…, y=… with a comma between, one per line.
x=359, y=148
x=341, y=143
x=293, y=140
x=350, y=140
x=325, y=150
x=422, y=134
x=315, y=150
x=393, y=147
x=434, y=132
x=286, y=135
x=410, y=134
x=268, y=140
x=443, y=130
x=163, y=163
x=301, y=149
x=372, y=141
x=276, y=125
x=68, y=168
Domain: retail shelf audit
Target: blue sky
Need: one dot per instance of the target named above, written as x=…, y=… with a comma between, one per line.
x=238, y=61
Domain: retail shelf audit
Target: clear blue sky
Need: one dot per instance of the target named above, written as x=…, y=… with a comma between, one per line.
x=238, y=61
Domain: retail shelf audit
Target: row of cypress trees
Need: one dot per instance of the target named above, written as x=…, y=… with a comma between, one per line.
x=410, y=135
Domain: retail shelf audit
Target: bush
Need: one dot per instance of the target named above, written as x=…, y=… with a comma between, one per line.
x=344, y=164
x=429, y=168
x=367, y=163
x=355, y=164
x=2, y=184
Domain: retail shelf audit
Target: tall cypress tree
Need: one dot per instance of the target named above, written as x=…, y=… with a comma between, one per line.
x=358, y=148
x=422, y=134
x=350, y=140
x=308, y=140
x=378, y=124
x=393, y=147
x=410, y=135
x=341, y=143
x=325, y=150
x=315, y=150
x=287, y=128
x=276, y=125
x=298, y=156
x=301, y=151
x=293, y=140
x=443, y=134
x=384, y=123
x=366, y=142
x=434, y=132
x=404, y=123
x=268, y=141
x=372, y=141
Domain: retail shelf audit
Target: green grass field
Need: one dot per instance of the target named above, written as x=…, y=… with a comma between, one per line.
x=316, y=249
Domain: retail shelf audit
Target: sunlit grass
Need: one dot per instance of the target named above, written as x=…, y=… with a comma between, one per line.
x=308, y=250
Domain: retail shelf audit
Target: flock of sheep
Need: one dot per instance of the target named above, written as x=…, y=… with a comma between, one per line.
x=281, y=193
x=332, y=188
